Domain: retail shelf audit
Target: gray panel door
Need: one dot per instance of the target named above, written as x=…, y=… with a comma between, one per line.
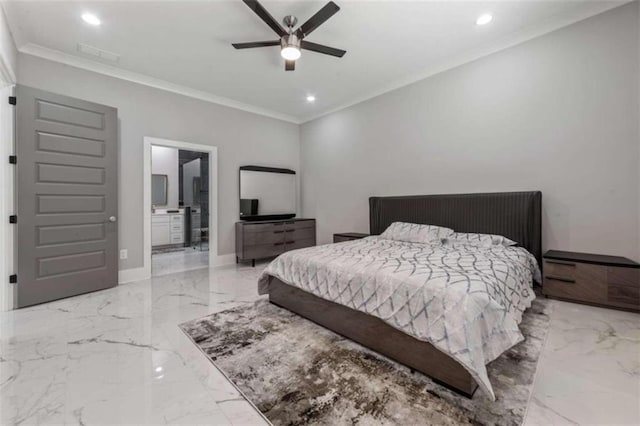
x=66, y=196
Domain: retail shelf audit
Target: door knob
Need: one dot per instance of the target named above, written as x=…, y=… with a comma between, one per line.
x=112, y=218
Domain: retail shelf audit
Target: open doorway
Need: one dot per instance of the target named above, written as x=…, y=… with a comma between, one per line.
x=180, y=182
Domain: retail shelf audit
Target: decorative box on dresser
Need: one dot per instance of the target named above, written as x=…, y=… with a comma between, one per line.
x=270, y=238
x=609, y=281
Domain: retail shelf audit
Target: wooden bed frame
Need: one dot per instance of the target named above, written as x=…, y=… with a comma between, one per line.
x=516, y=215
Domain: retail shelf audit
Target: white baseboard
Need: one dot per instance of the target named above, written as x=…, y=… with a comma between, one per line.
x=142, y=273
x=133, y=274
x=224, y=259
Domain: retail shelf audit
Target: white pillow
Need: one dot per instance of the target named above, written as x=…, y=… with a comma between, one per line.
x=415, y=233
x=483, y=240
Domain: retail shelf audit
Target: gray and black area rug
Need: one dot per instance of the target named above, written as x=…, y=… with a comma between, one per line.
x=297, y=372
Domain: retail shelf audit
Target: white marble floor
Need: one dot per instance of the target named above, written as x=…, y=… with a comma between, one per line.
x=178, y=261
x=118, y=357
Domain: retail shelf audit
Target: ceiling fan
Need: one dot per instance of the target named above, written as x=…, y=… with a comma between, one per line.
x=291, y=42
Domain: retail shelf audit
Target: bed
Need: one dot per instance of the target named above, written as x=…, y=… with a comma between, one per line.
x=445, y=310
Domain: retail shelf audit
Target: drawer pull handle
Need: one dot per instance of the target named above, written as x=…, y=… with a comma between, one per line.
x=559, y=262
x=564, y=280
x=290, y=230
x=278, y=232
x=290, y=242
x=278, y=244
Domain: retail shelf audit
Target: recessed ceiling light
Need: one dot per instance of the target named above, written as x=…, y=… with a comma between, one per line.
x=311, y=98
x=90, y=19
x=484, y=19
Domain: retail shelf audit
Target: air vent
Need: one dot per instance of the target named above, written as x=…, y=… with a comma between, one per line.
x=94, y=51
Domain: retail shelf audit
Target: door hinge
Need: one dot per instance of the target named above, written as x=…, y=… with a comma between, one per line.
x=13, y=279
x=13, y=159
x=13, y=100
x=13, y=219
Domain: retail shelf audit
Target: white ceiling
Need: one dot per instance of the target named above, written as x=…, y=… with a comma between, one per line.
x=188, y=44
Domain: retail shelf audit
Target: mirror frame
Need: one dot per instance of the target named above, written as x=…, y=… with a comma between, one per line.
x=268, y=170
x=166, y=189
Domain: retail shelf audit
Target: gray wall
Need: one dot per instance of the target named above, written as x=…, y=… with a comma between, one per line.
x=241, y=137
x=8, y=52
x=558, y=113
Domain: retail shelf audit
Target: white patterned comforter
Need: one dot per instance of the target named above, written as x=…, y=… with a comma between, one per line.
x=465, y=300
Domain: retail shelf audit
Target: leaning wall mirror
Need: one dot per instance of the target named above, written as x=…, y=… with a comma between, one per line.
x=267, y=193
x=159, y=187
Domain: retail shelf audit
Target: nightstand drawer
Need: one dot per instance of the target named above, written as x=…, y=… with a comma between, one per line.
x=602, y=280
x=624, y=287
x=560, y=268
x=624, y=276
x=580, y=282
x=624, y=295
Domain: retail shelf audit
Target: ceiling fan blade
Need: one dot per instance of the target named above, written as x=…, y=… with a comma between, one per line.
x=256, y=44
x=318, y=19
x=321, y=48
x=289, y=65
x=265, y=16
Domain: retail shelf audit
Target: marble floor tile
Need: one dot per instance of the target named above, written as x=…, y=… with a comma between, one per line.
x=589, y=370
x=118, y=357
x=178, y=261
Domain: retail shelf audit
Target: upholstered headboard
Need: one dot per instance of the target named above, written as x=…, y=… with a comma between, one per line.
x=516, y=215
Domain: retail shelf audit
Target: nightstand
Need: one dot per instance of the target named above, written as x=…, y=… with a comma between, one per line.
x=348, y=236
x=594, y=279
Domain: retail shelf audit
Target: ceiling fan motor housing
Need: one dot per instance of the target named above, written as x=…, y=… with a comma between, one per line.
x=290, y=40
x=290, y=21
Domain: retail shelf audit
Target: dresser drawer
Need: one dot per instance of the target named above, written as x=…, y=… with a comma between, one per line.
x=264, y=250
x=301, y=224
x=293, y=245
x=256, y=238
x=177, y=218
x=299, y=234
x=580, y=281
x=177, y=238
x=176, y=227
x=262, y=227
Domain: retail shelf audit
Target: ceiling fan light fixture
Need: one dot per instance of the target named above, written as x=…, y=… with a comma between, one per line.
x=290, y=53
x=290, y=47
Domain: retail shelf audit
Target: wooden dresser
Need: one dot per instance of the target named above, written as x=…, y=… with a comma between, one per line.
x=609, y=281
x=262, y=239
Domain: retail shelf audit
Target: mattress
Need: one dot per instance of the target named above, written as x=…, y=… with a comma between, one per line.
x=465, y=300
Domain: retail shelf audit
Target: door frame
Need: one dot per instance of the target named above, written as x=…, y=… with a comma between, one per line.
x=7, y=198
x=7, y=176
x=214, y=259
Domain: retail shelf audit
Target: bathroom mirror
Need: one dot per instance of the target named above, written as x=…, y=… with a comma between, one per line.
x=159, y=187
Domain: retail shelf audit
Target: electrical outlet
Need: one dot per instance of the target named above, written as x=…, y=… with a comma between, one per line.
x=124, y=253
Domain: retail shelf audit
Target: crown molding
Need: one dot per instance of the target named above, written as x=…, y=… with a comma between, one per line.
x=134, y=77
x=472, y=55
